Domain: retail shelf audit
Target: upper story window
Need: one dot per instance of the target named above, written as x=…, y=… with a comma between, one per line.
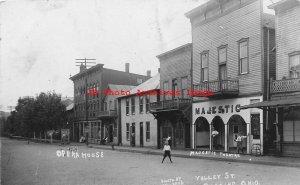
x=294, y=63
x=127, y=106
x=184, y=87
x=243, y=56
x=147, y=103
x=222, y=56
x=165, y=89
x=105, y=106
x=141, y=104
x=133, y=105
x=204, y=66
x=174, y=88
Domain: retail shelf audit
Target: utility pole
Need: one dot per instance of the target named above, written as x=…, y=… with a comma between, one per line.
x=84, y=60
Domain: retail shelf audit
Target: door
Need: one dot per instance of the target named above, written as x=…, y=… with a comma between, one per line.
x=223, y=76
x=132, y=134
x=110, y=130
x=141, y=134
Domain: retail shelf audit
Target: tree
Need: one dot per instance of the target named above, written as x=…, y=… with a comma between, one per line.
x=45, y=112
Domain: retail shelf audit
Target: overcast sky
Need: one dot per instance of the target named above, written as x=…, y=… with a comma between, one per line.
x=40, y=40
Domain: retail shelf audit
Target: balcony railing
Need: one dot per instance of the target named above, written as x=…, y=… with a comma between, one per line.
x=170, y=104
x=107, y=113
x=216, y=88
x=285, y=86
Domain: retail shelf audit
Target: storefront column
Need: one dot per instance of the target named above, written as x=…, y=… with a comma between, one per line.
x=261, y=138
x=193, y=136
x=248, y=138
x=226, y=137
x=210, y=137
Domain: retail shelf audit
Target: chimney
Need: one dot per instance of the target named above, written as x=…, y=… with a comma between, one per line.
x=148, y=73
x=82, y=68
x=158, y=70
x=127, y=67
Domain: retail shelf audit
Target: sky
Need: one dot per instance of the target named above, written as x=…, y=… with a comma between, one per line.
x=40, y=40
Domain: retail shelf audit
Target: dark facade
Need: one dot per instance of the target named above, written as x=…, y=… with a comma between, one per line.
x=173, y=110
x=89, y=85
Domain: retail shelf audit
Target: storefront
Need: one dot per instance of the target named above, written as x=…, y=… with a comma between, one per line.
x=226, y=117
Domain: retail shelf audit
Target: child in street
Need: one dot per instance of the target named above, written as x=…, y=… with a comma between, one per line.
x=167, y=152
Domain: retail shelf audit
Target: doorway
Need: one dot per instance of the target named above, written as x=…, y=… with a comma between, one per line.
x=132, y=141
x=141, y=134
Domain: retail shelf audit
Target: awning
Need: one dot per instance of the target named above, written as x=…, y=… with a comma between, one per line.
x=273, y=104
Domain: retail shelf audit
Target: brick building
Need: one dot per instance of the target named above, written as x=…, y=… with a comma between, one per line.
x=138, y=125
x=173, y=110
x=89, y=85
x=232, y=44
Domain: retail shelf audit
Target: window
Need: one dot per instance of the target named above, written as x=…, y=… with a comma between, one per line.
x=127, y=106
x=184, y=86
x=147, y=103
x=222, y=52
x=141, y=104
x=243, y=56
x=294, y=60
x=105, y=106
x=255, y=126
x=166, y=89
x=147, y=131
x=204, y=66
x=235, y=129
x=133, y=105
x=174, y=88
x=127, y=131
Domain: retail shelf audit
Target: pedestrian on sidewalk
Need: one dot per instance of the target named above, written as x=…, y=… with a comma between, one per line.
x=167, y=152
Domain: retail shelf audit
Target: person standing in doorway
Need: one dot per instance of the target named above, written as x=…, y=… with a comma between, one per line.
x=239, y=142
x=167, y=152
x=214, y=135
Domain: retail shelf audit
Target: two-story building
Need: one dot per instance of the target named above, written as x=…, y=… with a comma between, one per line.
x=138, y=126
x=230, y=53
x=284, y=103
x=173, y=111
x=89, y=86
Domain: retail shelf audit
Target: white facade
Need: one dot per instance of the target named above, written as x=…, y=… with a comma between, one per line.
x=225, y=109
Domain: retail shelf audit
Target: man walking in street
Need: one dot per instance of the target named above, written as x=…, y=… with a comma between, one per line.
x=167, y=152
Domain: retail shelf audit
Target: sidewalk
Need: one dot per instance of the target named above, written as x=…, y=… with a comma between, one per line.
x=219, y=156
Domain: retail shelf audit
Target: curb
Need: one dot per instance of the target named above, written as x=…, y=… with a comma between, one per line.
x=270, y=163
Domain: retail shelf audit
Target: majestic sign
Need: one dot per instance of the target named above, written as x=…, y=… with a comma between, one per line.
x=222, y=109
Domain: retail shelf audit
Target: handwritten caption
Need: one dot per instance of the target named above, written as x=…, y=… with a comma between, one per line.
x=214, y=154
x=224, y=179
x=175, y=181
x=75, y=154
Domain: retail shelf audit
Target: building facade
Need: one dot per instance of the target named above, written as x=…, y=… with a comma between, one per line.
x=285, y=88
x=173, y=111
x=229, y=56
x=138, y=125
x=89, y=85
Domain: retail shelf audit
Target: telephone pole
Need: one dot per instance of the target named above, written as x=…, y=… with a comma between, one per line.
x=84, y=60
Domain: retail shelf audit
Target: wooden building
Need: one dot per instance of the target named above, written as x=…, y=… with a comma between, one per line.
x=173, y=110
x=232, y=40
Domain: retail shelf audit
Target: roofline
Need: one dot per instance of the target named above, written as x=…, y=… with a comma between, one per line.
x=136, y=93
x=86, y=71
x=174, y=50
x=279, y=3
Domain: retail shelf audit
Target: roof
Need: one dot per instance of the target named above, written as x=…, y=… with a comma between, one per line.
x=283, y=3
x=70, y=107
x=151, y=84
x=188, y=45
x=119, y=88
x=274, y=104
